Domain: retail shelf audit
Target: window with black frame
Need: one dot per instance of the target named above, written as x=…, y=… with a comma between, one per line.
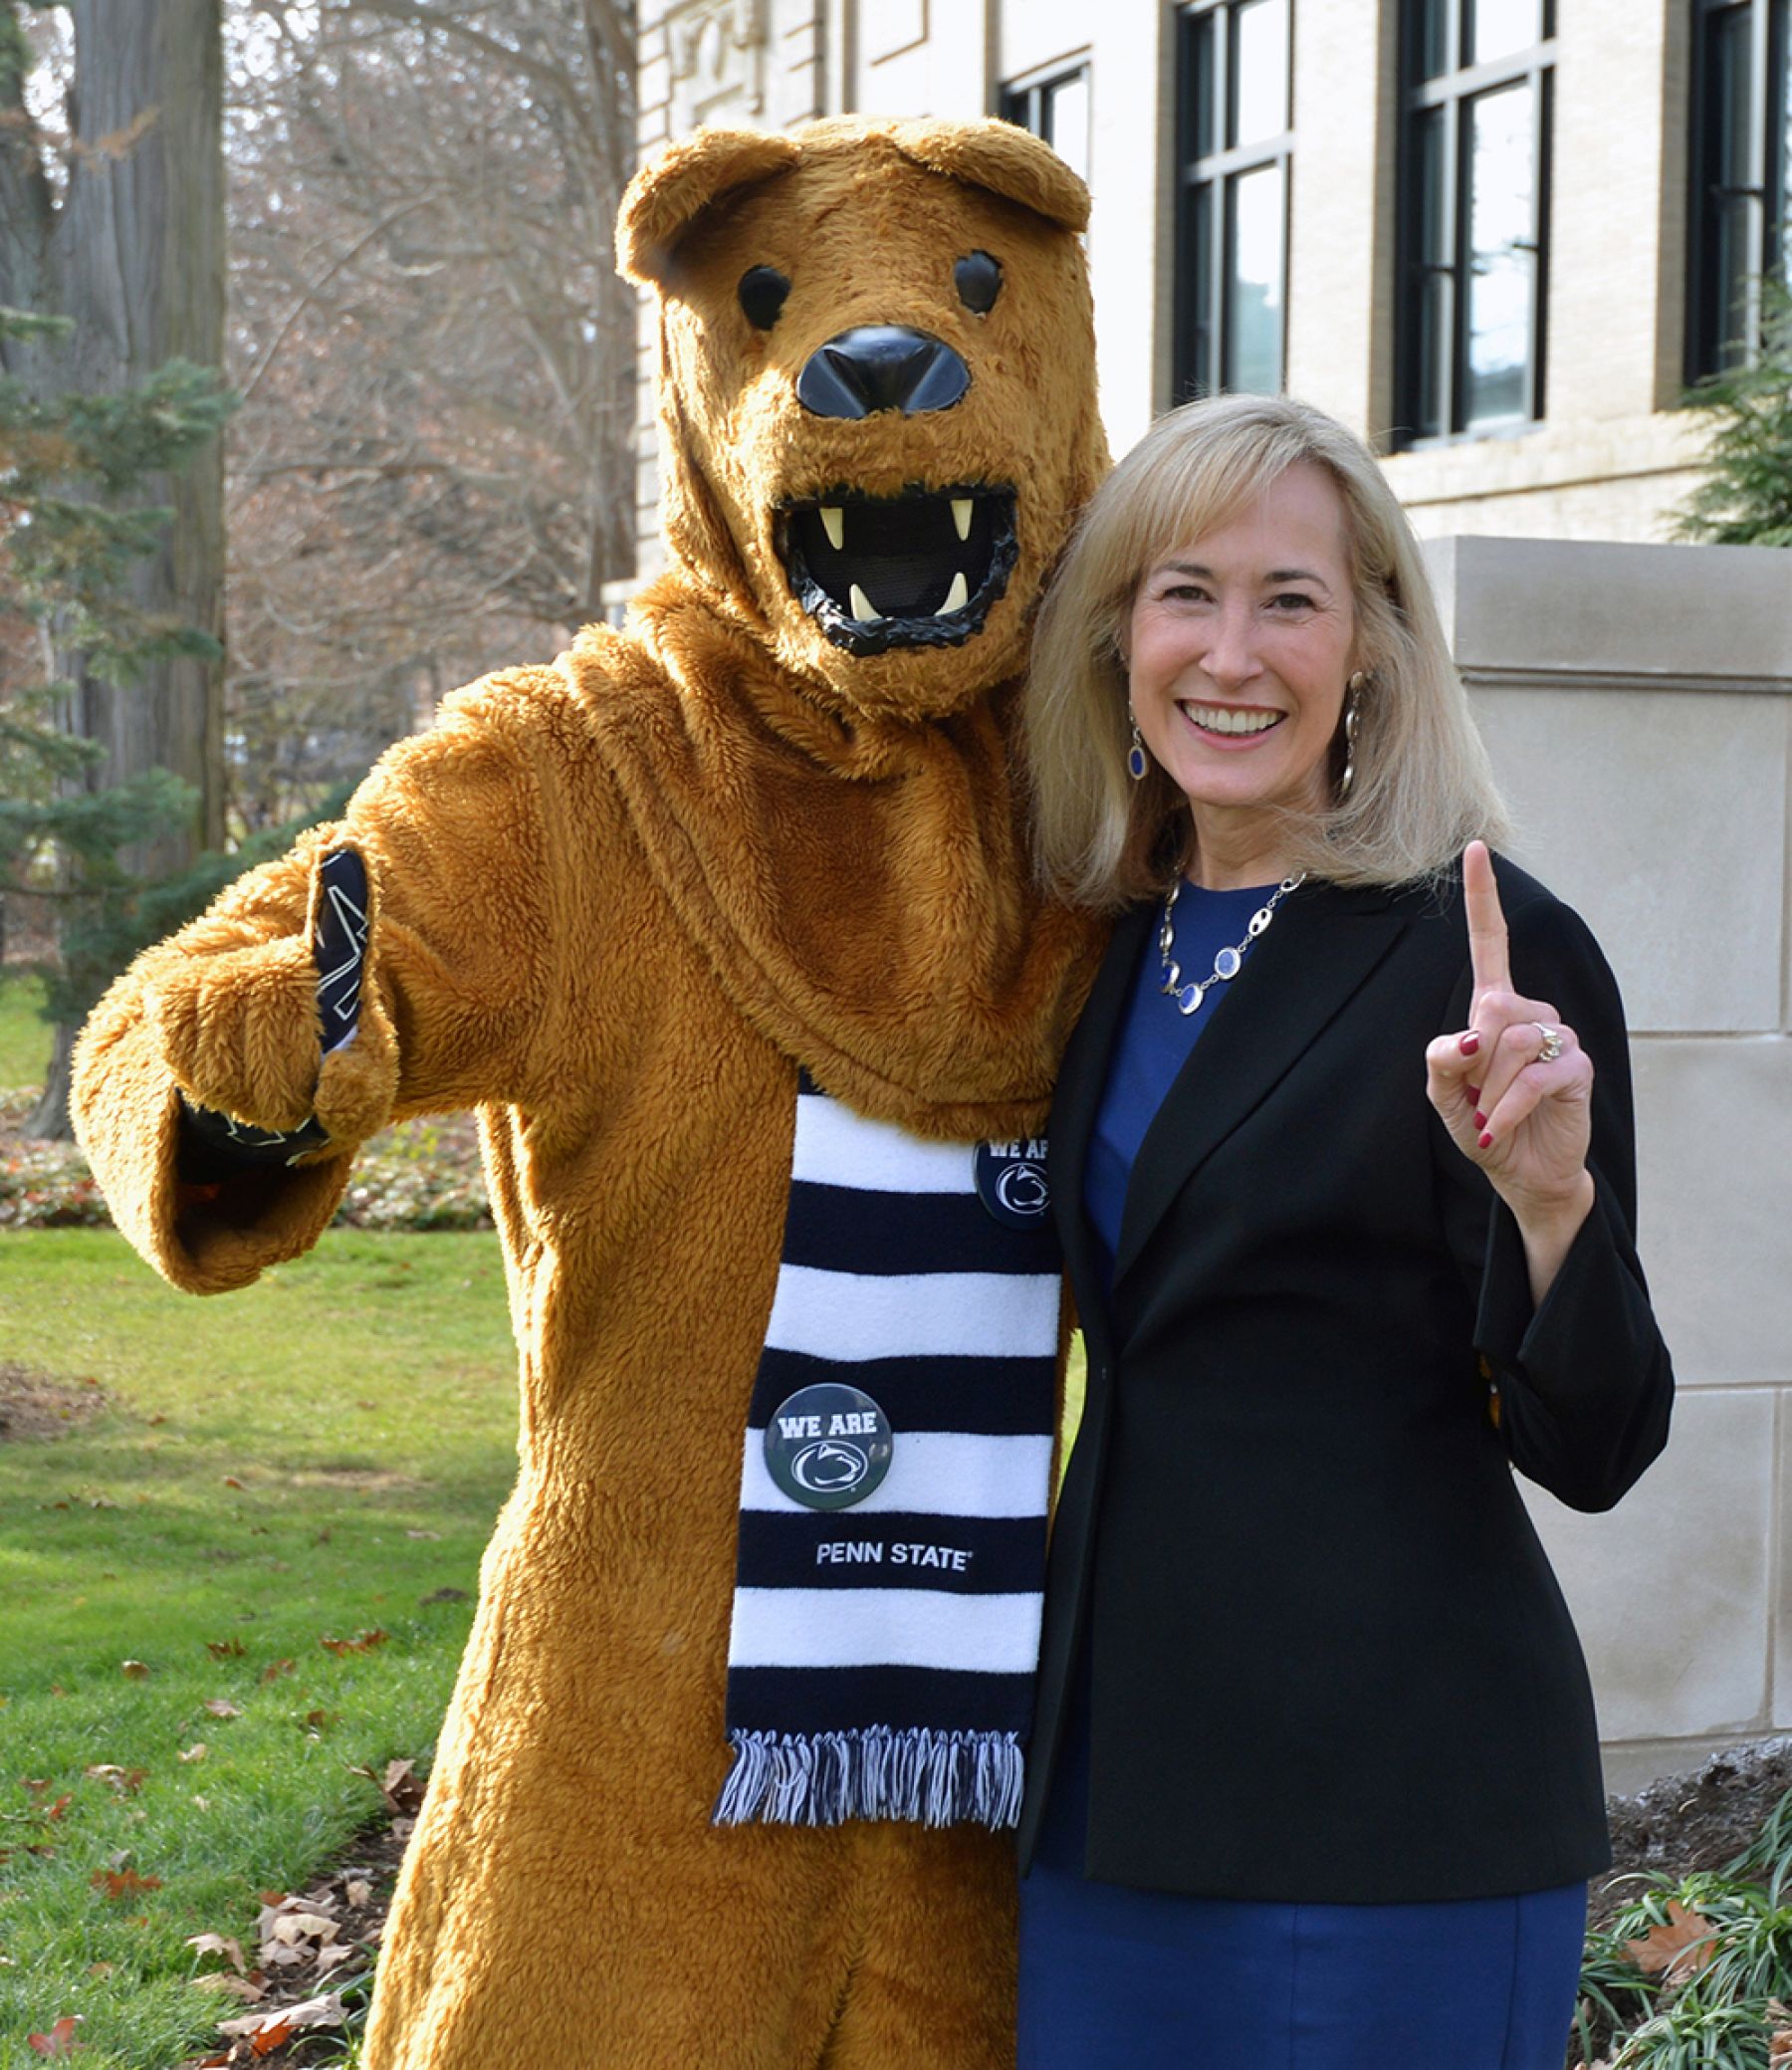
x=1473, y=215
x=1234, y=153
x=1055, y=108
x=1741, y=221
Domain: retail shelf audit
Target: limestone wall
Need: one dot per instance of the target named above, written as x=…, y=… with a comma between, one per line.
x=1637, y=702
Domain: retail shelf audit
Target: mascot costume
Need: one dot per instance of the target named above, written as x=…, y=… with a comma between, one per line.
x=722, y=923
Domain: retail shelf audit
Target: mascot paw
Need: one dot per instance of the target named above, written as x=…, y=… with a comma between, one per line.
x=239, y=1031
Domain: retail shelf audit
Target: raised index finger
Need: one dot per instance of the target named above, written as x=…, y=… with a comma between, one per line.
x=1488, y=951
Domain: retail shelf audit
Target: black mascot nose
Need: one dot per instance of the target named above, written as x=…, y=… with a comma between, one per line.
x=881, y=367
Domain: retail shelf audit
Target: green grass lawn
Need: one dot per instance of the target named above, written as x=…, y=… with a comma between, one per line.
x=311, y=1458
x=24, y=1033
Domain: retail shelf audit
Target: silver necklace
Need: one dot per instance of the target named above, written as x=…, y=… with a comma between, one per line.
x=1228, y=963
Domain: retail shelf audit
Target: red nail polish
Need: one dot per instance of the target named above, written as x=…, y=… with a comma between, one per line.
x=1486, y=1141
x=1474, y=1093
x=1480, y=1121
x=1469, y=1043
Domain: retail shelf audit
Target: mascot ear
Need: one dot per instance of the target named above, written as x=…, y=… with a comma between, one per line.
x=666, y=197
x=1004, y=158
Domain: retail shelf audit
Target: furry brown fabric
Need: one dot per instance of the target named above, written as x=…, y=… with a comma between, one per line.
x=618, y=902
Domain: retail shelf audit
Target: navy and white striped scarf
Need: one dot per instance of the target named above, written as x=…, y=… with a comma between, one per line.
x=881, y=1656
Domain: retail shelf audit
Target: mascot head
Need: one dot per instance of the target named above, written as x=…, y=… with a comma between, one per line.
x=876, y=391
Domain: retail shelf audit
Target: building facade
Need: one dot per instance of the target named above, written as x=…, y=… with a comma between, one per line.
x=1497, y=237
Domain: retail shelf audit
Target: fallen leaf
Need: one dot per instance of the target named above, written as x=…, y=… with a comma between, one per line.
x=443, y=1595
x=360, y=1893
x=1779, y=2048
x=274, y=1668
x=33, y=1786
x=237, y=1987
x=231, y=1480
x=268, y=2030
x=123, y=1883
x=196, y=1752
x=61, y=1805
x=125, y=1782
x=100, y=1971
x=221, y=1706
x=399, y=1786
x=221, y=1943
x=201, y=1803
x=293, y=1927
x=318, y=1719
x=225, y=1649
x=135, y=1671
x=60, y=2042
x=433, y=1535
x=331, y=1954
x=363, y=1642
x=1676, y=1950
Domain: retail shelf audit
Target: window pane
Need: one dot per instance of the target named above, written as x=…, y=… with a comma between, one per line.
x=1259, y=83
x=1502, y=253
x=1430, y=338
x=1732, y=216
x=1194, y=373
x=1504, y=26
x=1431, y=35
x=1253, y=282
x=1067, y=121
x=1732, y=76
x=1201, y=86
x=1782, y=176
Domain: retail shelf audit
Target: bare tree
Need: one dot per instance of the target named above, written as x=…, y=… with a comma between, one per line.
x=434, y=468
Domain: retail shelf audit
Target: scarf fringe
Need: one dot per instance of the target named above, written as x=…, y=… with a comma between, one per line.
x=823, y=1778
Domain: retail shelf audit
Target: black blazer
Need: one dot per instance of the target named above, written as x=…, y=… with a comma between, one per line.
x=1329, y=1661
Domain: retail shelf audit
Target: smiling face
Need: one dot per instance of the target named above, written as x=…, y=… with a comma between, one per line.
x=1239, y=646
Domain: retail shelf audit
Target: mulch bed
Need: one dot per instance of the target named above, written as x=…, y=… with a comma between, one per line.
x=1702, y=1819
x=300, y=1964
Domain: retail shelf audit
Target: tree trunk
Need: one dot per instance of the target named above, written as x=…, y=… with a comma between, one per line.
x=134, y=256
x=140, y=240
x=50, y=1117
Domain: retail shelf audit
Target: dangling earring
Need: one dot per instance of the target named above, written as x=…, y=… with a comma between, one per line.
x=1353, y=706
x=1136, y=762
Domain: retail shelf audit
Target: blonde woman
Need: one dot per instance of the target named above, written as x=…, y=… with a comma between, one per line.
x=1342, y=1161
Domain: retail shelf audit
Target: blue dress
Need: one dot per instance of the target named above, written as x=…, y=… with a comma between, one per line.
x=1113, y=1978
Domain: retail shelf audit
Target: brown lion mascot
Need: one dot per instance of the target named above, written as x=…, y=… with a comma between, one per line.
x=722, y=923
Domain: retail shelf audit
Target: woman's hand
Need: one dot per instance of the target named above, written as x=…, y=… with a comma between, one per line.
x=1515, y=1089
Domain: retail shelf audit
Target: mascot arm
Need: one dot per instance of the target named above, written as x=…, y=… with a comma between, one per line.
x=397, y=963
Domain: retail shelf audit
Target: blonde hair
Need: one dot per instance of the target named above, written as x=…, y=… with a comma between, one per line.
x=1422, y=784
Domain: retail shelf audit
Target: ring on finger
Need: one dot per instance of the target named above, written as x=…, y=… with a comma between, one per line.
x=1552, y=1042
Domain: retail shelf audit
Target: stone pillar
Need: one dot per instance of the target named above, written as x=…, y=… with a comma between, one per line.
x=1638, y=702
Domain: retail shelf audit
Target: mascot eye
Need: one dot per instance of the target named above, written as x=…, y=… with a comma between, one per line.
x=977, y=278
x=761, y=291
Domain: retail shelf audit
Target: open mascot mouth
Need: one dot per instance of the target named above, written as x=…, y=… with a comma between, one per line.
x=919, y=570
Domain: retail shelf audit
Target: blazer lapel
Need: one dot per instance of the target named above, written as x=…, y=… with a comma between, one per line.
x=1081, y=1078
x=1322, y=947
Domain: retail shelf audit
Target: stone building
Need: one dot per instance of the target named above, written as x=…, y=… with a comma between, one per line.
x=1499, y=238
